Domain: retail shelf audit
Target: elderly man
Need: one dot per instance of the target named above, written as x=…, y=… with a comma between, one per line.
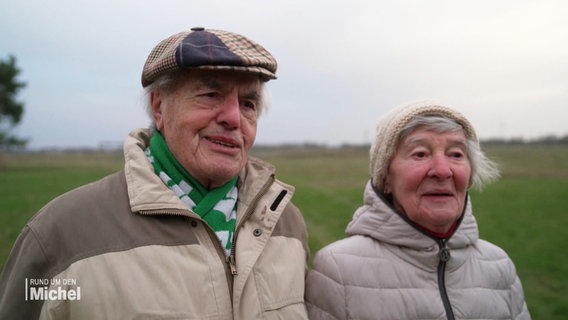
x=192, y=228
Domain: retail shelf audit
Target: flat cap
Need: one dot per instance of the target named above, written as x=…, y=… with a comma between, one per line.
x=208, y=49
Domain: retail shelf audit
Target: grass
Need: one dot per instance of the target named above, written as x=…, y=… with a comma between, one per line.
x=329, y=187
x=28, y=182
x=524, y=212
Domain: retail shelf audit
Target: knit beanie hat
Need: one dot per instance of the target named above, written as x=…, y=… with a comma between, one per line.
x=390, y=127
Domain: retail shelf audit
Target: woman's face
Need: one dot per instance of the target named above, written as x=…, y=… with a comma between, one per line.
x=428, y=177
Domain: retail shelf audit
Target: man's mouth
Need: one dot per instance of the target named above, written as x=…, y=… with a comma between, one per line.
x=223, y=142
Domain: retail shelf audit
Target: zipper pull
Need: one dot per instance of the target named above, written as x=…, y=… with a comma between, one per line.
x=232, y=266
x=444, y=254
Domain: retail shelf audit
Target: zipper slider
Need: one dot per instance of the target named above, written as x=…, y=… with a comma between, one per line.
x=444, y=253
x=232, y=266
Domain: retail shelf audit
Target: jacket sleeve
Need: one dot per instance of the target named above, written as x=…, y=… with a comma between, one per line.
x=325, y=297
x=519, y=307
x=26, y=262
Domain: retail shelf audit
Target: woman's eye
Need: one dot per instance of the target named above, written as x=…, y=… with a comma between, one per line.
x=457, y=155
x=419, y=154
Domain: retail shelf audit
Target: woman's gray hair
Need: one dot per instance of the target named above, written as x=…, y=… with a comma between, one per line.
x=483, y=169
x=169, y=81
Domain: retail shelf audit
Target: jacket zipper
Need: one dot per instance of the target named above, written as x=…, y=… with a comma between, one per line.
x=444, y=256
x=231, y=260
x=173, y=212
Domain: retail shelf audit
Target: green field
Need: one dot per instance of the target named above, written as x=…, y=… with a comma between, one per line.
x=524, y=212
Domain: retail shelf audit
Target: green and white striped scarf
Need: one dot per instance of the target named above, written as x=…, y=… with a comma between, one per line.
x=218, y=207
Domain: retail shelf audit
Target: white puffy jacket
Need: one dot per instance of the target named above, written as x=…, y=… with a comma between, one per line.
x=387, y=269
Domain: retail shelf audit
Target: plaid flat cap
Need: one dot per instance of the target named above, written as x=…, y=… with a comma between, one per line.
x=208, y=49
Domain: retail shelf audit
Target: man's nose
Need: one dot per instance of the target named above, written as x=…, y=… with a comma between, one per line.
x=230, y=113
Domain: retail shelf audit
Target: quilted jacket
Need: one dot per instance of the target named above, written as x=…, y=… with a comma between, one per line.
x=388, y=269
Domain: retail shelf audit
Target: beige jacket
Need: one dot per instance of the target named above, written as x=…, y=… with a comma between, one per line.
x=126, y=247
x=386, y=269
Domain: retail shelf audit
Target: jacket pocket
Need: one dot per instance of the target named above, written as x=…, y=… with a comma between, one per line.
x=280, y=274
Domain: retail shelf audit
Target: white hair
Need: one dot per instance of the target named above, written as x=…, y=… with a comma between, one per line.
x=169, y=81
x=483, y=169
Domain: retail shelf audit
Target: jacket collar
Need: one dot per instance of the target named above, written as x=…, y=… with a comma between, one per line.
x=147, y=192
x=377, y=219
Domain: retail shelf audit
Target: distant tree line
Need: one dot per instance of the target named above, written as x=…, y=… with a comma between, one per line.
x=11, y=109
x=545, y=140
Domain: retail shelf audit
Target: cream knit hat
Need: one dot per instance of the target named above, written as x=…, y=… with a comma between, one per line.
x=388, y=134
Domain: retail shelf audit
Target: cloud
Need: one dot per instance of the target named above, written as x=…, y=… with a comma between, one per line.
x=342, y=64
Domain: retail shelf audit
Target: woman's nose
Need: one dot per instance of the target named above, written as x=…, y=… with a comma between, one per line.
x=440, y=167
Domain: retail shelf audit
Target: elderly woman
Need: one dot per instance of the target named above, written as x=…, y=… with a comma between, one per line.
x=412, y=250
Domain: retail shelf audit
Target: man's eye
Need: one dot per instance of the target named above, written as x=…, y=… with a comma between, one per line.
x=211, y=94
x=249, y=105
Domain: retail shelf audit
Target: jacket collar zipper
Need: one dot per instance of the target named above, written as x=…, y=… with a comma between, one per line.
x=444, y=256
x=231, y=259
x=169, y=212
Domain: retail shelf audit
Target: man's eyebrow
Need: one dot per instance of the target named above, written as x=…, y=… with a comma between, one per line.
x=211, y=82
x=252, y=94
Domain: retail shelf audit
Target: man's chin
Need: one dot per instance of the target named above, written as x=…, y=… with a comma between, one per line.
x=223, y=173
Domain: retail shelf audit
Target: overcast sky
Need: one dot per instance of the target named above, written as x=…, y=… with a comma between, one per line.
x=341, y=64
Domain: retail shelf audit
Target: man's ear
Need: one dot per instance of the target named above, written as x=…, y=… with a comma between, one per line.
x=156, y=104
